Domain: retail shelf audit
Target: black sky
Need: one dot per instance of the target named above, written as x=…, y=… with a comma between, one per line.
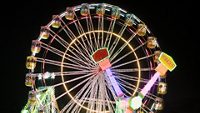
x=172, y=22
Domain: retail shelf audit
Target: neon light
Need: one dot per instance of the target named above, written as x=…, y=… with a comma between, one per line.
x=114, y=83
x=167, y=61
x=150, y=84
x=100, y=54
x=105, y=64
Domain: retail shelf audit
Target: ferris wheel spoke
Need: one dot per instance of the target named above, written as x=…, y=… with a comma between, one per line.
x=100, y=28
x=89, y=28
x=125, y=55
x=109, y=35
x=77, y=85
x=115, y=43
x=109, y=87
x=82, y=42
x=72, y=73
x=70, y=34
x=121, y=74
x=60, y=53
x=110, y=105
x=132, y=70
x=68, y=91
x=149, y=94
x=72, y=80
x=80, y=77
x=58, y=63
x=65, y=44
x=128, y=76
x=122, y=47
x=52, y=49
x=71, y=103
x=124, y=89
x=133, y=79
x=93, y=92
x=127, y=42
x=144, y=108
x=132, y=61
x=81, y=96
x=128, y=85
x=73, y=59
x=67, y=30
x=73, y=66
x=66, y=106
x=73, y=37
x=80, y=30
x=86, y=61
x=101, y=96
x=63, y=94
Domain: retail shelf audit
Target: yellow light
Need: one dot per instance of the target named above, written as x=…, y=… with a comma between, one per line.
x=167, y=61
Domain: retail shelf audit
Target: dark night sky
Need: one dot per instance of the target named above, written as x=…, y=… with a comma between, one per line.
x=171, y=22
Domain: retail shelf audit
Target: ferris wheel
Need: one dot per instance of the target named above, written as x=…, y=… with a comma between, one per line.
x=96, y=58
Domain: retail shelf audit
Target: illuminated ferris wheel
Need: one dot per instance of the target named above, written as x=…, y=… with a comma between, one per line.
x=96, y=58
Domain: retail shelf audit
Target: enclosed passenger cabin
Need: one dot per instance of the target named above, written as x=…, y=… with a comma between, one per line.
x=162, y=88
x=156, y=56
x=31, y=62
x=56, y=22
x=36, y=46
x=29, y=81
x=141, y=29
x=129, y=19
x=32, y=97
x=158, y=105
x=151, y=42
x=85, y=10
x=100, y=10
x=115, y=12
x=69, y=13
x=44, y=33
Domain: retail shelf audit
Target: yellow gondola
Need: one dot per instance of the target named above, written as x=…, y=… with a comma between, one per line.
x=56, y=23
x=31, y=62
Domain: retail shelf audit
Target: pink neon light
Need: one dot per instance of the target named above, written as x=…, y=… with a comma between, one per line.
x=104, y=64
x=148, y=86
x=114, y=83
